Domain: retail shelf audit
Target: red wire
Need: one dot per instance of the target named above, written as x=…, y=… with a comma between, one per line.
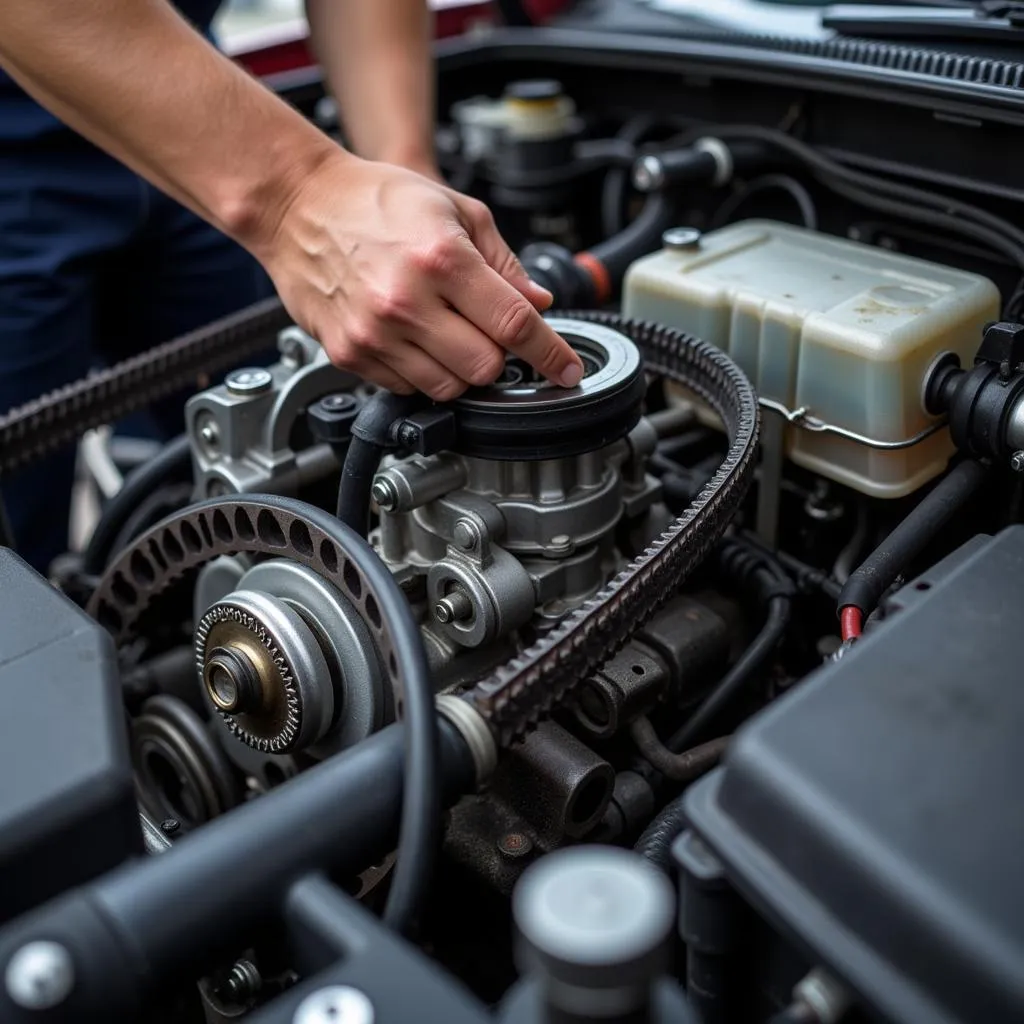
x=851, y=620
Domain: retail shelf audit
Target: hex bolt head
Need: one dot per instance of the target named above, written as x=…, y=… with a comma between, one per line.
x=250, y=381
x=384, y=494
x=40, y=976
x=466, y=535
x=1017, y=462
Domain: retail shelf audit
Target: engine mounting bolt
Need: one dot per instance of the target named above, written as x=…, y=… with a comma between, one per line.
x=40, y=975
x=681, y=239
x=466, y=534
x=336, y=1004
x=1017, y=462
x=560, y=544
x=250, y=381
x=169, y=826
x=515, y=845
x=385, y=494
x=455, y=607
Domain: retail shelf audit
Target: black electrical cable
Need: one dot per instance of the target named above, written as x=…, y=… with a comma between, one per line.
x=782, y=182
x=892, y=197
x=371, y=437
x=879, y=571
x=170, y=461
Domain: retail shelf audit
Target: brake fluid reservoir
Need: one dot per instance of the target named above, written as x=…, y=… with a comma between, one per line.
x=844, y=331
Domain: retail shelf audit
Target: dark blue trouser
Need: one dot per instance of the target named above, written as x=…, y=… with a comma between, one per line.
x=95, y=265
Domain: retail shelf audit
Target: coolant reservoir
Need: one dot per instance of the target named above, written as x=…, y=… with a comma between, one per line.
x=844, y=331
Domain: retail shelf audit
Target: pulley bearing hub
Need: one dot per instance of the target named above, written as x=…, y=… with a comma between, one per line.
x=287, y=662
x=522, y=416
x=264, y=672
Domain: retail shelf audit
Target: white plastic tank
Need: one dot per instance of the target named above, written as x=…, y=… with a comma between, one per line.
x=843, y=330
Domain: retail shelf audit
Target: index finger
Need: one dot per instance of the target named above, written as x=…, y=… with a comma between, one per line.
x=509, y=319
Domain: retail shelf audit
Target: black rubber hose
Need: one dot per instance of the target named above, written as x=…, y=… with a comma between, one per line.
x=655, y=842
x=873, y=577
x=371, y=437
x=642, y=236
x=172, y=459
x=156, y=920
x=732, y=684
x=616, y=182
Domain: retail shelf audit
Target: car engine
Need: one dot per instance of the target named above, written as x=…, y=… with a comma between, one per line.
x=687, y=694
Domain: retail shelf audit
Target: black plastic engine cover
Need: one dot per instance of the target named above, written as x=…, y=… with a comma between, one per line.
x=876, y=813
x=67, y=804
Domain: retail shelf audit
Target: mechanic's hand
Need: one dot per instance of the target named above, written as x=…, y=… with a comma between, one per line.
x=408, y=284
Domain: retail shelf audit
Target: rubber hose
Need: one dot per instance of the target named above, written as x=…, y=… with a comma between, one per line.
x=655, y=843
x=137, y=487
x=616, y=181
x=879, y=571
x=732, y=684
x=642, y=236
x=371, y=437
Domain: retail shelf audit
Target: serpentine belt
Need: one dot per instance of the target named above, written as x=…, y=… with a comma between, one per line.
x=46, y=424
x=518, y=694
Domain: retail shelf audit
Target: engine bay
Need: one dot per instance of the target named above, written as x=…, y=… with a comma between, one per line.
x=687, y=694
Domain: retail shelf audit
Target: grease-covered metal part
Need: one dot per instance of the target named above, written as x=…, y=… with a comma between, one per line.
x=521, y=693
x=44, y=424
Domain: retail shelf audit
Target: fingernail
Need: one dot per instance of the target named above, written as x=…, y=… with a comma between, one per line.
x=545, y=296
x=571, y=375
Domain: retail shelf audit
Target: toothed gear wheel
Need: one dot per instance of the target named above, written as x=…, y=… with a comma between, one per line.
x=253, y=637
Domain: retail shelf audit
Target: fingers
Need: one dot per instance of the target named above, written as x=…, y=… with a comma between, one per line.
x=464, y=349
x=479, y=223
x=393, y=362
x=505, y=315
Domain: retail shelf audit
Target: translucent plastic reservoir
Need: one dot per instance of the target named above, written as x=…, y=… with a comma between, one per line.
x=843, y=330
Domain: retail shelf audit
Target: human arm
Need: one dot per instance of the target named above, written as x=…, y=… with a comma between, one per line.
x=377, y=60
x=401, y=280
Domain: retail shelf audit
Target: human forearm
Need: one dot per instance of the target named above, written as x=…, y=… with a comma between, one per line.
x=377, y=57
x=133, y=77
x=400, y=279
